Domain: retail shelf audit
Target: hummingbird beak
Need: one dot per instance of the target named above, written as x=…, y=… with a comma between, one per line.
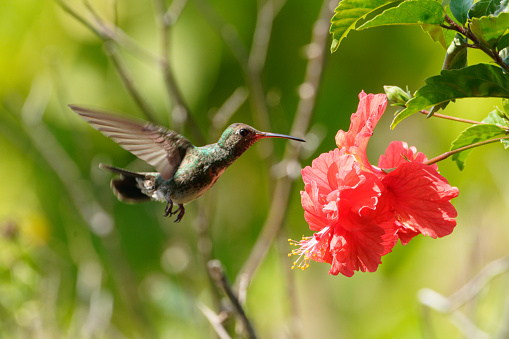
x=276, y=135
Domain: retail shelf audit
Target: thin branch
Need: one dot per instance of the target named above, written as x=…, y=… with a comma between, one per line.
x=261, y=38
x=272, y=225
x=453, y=25
x=206, y=208
x=61, y=163
x=251, y=63
x=98, y=220
x=126, y=78
x=81, y=19
x=228, y=33
x=283, y=187
x=174, y=11
x=503, y=329
x=451, y=305
x=262, y=33
x=291, y=289
x=448, y=117
x=461, y=149
x=217, y=273
x=229, y=107
x=128, y=82
x=181, y=113
x=114, y=6
x=215, y=320
x=105, y=32
x=257, y=57
x=106, y=35
x=466, y=326
x=468, y=33
x=173, y=91
x=121, y=38
x=477, y=283
x=256, y=64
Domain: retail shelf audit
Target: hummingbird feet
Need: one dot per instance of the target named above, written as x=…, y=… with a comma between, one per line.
x=181, y=211
x=168, y=211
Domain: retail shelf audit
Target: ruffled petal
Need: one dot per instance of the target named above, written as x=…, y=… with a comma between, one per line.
x=317, y=172
x=398, y=153
x=313, y=207
x=363, y=122
x=361, y=250
x=363, y=195
x=422, y=199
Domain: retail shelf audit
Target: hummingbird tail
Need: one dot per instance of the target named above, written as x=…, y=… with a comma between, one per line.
x=126, y=187
x=121, y=171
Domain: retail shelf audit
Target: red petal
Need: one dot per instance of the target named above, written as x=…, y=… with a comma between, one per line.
x=363, y=122
x=313, y=208
x=398, y=153
x=406, y=234
x=320, y=166
x=353, y=251
x=422, y=199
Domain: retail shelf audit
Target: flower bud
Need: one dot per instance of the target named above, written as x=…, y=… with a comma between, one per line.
x=398, y=96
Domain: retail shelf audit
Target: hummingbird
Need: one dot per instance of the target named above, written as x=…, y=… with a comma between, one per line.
x=184, y=171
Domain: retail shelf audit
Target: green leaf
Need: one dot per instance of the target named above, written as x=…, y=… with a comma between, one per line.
x=496, y=117
x=472, y=135
x=481, y=80
x=429, y=14
x=487, y=7
x=490, y=29
x=348, y=13
x=455, y=58
x=460, y=8
x=436, y=34
x=503, y=42
x=500, y=118
x=505, y=105
x=449, y=34
x=412, y=12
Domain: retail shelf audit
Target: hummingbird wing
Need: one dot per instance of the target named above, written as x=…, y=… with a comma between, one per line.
x=160, y=147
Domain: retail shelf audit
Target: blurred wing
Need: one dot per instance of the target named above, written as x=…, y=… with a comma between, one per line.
x=160, y=147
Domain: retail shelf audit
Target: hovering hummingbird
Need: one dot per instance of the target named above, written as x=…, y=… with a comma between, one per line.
x=184, y=171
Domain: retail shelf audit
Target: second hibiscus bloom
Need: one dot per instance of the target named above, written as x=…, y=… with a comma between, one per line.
x=359, y=211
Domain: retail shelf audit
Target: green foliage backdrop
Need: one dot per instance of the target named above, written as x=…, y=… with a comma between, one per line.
x=77, y=263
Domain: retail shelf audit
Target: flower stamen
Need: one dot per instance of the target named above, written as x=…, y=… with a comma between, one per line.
x=310, y=248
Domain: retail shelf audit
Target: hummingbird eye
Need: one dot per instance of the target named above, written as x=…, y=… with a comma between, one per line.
x=243, y=132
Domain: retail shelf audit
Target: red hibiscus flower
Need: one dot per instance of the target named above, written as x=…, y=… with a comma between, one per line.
x=359, y=211
x=342, y=203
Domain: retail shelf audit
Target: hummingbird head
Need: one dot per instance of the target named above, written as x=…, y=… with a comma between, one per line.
x=239, y=137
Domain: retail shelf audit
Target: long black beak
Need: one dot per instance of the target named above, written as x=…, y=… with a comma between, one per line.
x=276, y=135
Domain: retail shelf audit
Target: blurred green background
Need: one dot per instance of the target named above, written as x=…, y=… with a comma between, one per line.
x=77, y=263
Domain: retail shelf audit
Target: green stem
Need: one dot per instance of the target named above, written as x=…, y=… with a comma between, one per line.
x=468, y=33
x=81, y=19
x=448, y=117
x=461, y=149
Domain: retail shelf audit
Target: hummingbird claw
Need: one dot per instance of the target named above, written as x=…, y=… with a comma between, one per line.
x=168, y=210
x=181, y=211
